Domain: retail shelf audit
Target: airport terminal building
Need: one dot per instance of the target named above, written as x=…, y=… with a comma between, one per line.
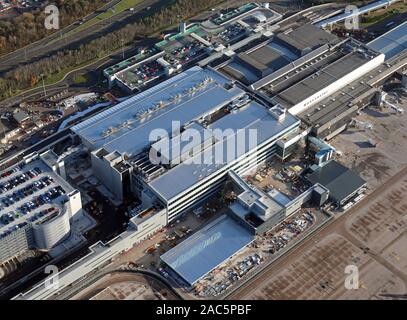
x=310, y=72
x=202, y=102
x=254, y=97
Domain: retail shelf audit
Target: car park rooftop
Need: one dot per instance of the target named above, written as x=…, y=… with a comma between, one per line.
x=29, y=192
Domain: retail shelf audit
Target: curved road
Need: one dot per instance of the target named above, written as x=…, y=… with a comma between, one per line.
x=121, y=276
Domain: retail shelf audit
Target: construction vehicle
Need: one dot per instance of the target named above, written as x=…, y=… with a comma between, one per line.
x=383, y=103
x=365, y=125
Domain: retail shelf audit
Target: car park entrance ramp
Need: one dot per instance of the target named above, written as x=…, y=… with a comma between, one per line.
x=206, y=249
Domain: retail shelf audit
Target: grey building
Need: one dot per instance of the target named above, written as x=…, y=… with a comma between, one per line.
x=342, y=183
x=147, y=135
x=259, y=211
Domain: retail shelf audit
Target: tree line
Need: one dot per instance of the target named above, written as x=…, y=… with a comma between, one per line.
x=29, y=75
x=29, y=27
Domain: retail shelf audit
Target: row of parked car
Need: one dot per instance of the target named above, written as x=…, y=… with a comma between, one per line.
x=26, y=191
x=42, y=213
x=42, y=199
x=9, y=217
x=8, y=173
x=29, y=206
x=18, y=180
x=12, y=229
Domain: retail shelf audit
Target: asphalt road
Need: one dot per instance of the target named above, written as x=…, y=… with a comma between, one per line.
x=384, y=26
x=57, y=42
x=47, y=47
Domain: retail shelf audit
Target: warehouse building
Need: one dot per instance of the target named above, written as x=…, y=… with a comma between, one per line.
x=310, y=72
x=342, y=183
x=305, y=39
x=349, y=62
x=266, y=58
x=392, y=42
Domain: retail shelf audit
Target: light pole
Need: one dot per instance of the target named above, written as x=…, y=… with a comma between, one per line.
x=43, y=85
x=122, y=40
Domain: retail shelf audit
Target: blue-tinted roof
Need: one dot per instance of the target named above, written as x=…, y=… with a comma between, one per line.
x=392, y=42
x=205, y=250
x=280, y=197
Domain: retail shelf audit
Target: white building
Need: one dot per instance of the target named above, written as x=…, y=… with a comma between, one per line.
x=199, y=101
x=37, y=206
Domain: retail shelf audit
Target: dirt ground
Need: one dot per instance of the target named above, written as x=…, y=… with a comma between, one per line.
x=126, y=291
x=376, y=164
x=319, y=274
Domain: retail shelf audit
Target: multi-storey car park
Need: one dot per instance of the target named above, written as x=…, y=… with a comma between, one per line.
x=37, y=206
x=288, y=86
x=191, y=45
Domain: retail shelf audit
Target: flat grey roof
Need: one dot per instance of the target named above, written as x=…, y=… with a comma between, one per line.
x=339, y=180
x=307, y=36
x=295, y=65
x=269, y=58
x=392, y=42
x=5, y=127
x=334, y=105
x=131, y=134
x=13, y=209
x=253, y=63
x=239, y=72
x=196, y=256
x=297, y=73
x=20, y=115
x=322, y=78
x=253, y=116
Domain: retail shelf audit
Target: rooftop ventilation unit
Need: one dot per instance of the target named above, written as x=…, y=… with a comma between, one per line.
x=109, y=131
x=278, y=112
